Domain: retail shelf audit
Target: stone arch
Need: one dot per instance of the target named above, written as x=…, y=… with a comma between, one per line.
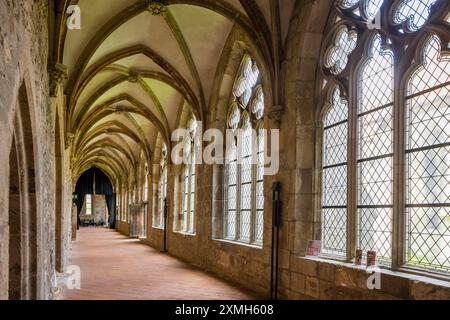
x=236, y=48
x=22, y=213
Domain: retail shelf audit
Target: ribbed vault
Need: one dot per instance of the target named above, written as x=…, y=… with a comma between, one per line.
x=136, y=64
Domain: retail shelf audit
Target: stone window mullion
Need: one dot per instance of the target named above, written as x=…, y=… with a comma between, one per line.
x=352, y=181
x=399, y=164
x=238, y=201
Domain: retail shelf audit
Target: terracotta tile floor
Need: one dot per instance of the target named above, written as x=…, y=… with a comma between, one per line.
x=115, y=267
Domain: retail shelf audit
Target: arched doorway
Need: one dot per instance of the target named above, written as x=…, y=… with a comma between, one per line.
x=15, y=238
x=22, y=244
x=91, y=184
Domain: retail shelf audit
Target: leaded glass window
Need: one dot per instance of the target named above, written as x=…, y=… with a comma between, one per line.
x=244, y=163
x=145, y=195
x=334, y=176
x=393, y=193
x=428, y=161
x=161, y=192
x=375, y=151
x=414, y=12
x=188, y=182
x=344, y=44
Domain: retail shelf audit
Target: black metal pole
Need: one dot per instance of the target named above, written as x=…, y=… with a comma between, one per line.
x=165, y=227
x=276, y=221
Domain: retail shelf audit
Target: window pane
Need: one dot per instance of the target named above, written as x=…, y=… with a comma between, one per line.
x=230, y=225
x=334, y=231
x=375, y=147
x=344, y=44
x=415, y=12
x=428, y=162
x=334, y=177
x=88, y=201
x=231, y=196
x=375, y=225
x=334, y=186
x=335, y=144
x=243, y=179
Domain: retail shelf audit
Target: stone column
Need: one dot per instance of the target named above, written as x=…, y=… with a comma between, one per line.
x=74, y=222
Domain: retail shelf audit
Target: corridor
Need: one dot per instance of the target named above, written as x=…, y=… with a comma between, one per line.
x=280, y=147
x=114, y=267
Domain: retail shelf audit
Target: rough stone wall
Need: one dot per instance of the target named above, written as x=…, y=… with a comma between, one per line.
x=67, y=217
x=23, y=60
x=123, y=227
x=99, y=207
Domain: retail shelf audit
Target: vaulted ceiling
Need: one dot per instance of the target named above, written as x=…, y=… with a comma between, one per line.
x=135, y=64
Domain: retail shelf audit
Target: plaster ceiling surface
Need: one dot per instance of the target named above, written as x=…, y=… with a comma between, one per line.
x=264, y=5
x=94, y=14
x=140, y=62
x=135, y=64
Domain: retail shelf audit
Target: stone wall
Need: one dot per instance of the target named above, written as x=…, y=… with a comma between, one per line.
x=123, y=227
x=99, y=210
x=23, y=64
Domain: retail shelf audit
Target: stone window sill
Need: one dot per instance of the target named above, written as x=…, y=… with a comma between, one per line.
x=248, y=245
x=185, y=234
x=404, y=272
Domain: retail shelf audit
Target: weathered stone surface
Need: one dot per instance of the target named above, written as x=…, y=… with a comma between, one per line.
x=352, y=278
x=326, y=290
x=25, y=59
x=307, y=267
x=23, y=66
x=312, y=287
x=326, y=271
x=298, y=282
x=427, y=291
x=395, y=286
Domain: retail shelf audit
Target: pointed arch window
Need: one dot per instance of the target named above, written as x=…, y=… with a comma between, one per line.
x=188, y=181
x=427, y=202
x=334, y=176
x=161, y=192
x=385, y=168
x=244, y=168
x=145, y=195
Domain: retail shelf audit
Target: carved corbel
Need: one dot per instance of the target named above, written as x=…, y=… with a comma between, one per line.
x=57, y=73
x=276, y=113
x=68, y=139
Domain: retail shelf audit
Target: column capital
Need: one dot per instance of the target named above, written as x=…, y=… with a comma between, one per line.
x=276, y=113
x=57, y=73
x=68, y=139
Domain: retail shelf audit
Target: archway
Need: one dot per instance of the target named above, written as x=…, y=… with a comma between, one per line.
x=15, y=238
x=22, y=206
x=95, y=182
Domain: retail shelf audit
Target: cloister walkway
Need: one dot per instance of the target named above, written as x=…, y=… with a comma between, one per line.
x=118, y=268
